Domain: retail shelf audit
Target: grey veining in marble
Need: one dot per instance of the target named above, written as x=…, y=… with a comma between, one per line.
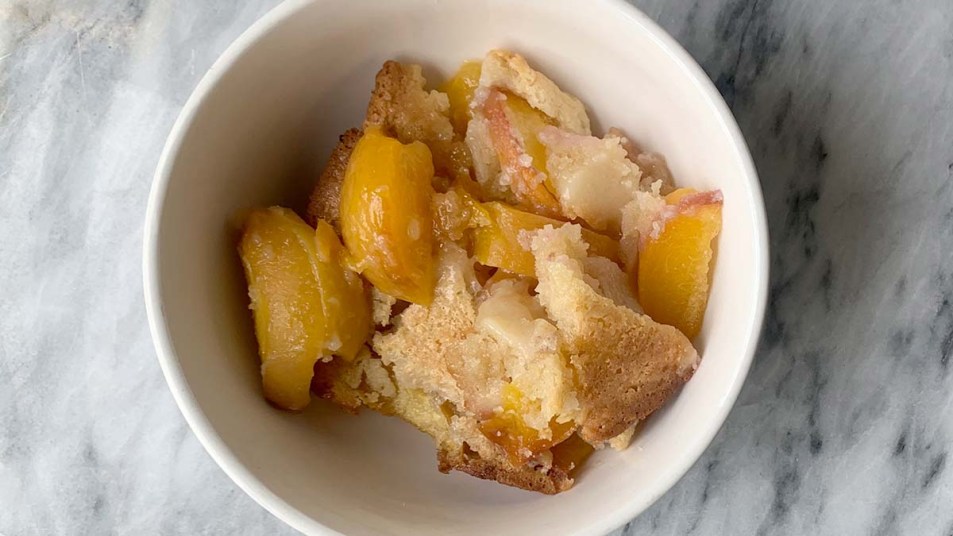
x=845, y=425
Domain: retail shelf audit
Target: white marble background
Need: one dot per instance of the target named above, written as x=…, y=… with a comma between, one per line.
x=845, y=424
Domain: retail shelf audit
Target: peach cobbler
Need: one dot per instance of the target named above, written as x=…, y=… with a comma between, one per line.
x=475, y=261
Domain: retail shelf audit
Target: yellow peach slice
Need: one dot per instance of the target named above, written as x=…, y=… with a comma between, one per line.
x=344, y=299
x=675, y=258
x=459, y=89
x=569, y=455
x=386, y=215
x=509, y=430
x=305, y=304
x=497, y=243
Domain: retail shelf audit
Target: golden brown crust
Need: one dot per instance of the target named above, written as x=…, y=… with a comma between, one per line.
x=326, y=197
x=549, y=481
x=402, y=108
x=390, y=86
x=625, y=375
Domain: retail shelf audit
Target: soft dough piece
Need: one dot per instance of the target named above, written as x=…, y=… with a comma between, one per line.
x=593, y=177
x=510, y=71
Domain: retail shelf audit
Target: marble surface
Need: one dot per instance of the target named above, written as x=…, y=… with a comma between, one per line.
x=845, y=425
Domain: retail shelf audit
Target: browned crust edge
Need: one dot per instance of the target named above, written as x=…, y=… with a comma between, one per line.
x=550, y=482
x=325, y=200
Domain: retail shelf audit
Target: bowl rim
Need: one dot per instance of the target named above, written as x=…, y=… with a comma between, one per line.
x=219, y=450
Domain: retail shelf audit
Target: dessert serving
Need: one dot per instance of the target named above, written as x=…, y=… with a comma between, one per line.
x=475, y=261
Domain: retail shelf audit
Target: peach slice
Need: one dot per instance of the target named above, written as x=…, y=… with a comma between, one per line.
x=387, y=218
x=521, y=442
x=569, y=455
x=513, y=127
x=527, y=123
x=675, y=259
x=344, y=299
x=305, y=303
x=498, y=242
x=459, y=89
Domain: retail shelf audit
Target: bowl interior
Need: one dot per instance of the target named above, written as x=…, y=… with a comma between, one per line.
x=257, y=132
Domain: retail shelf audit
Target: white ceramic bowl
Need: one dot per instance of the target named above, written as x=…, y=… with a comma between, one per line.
x=254, y=133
